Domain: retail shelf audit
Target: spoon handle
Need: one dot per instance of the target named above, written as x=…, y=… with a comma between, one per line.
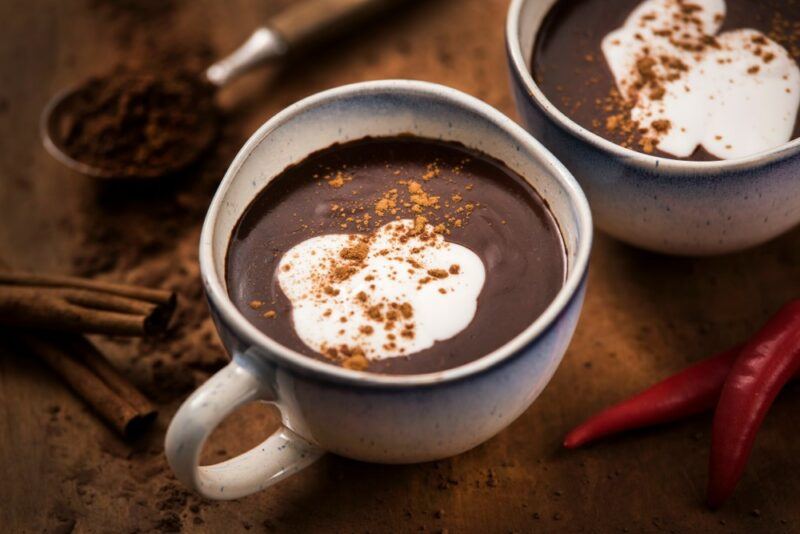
x=300, y=25
x=263, y=45
x=311, y=21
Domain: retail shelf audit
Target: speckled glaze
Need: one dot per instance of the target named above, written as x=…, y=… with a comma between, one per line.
x=364, y=416
x=665, y=205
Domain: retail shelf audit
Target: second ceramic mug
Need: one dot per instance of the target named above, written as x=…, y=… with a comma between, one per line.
x=359, y=415
x=661, y=204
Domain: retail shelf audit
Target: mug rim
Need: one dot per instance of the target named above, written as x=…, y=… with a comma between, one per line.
x=285, y=356
x=668, y=165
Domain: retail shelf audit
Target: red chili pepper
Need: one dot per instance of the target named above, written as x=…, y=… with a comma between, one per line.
x=764, y=366
x=694, y=390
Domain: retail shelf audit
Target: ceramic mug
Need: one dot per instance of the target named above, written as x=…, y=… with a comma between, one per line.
x=360, y=415
x=665, y=205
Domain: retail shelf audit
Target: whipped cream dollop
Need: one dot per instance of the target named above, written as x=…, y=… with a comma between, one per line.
x=397, y=291
x=736, y=93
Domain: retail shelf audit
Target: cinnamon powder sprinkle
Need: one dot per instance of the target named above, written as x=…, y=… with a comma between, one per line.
x=419, y=225
x=330, y=290
x=355, y=253
x=407, y=310
x=661, y=126
x=357, y=362
x=338, y=180
x=433, y=172
x=438, y=273
x=343, y=272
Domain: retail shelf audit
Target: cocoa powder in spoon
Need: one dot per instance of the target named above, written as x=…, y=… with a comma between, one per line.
x=138, y=124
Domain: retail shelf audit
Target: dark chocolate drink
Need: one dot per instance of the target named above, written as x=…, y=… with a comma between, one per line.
x=395, y=255
x=685, y=79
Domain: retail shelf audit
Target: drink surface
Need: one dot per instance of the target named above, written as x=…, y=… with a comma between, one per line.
x=395, y=255
x=696, y=80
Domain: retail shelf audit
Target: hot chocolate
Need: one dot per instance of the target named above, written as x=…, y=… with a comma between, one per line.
x=684, y=79
x=395, y=255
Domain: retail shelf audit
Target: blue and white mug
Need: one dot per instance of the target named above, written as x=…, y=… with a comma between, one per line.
x=361, y=415
x=691, y=208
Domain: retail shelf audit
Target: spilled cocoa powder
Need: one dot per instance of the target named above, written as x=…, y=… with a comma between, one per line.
x=137, y=123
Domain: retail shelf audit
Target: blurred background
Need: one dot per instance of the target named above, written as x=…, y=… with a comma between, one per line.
x=646, y=316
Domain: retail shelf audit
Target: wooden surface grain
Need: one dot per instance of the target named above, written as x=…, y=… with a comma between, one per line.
x=645, y=317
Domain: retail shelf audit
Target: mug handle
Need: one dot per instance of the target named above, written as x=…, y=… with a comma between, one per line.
x=282, y=454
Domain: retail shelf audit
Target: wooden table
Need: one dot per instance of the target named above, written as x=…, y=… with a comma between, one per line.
x=646, y=316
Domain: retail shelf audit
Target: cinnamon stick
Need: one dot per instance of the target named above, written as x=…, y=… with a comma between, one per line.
x=156, y=296
x=94, y=379
x=80, y=305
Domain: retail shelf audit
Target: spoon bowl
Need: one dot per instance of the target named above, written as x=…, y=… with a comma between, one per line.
x=51, y=140
x=55, y=124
